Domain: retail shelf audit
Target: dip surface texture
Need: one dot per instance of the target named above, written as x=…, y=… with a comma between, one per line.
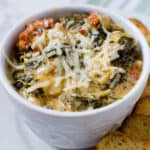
x=73, y=63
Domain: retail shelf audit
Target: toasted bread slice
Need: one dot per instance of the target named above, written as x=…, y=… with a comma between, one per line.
x=142, y=28
x=143, y=106
x=140, y=25
x=137, y=127
x=146, y=92
x=116, y=141
x=119, y=141
x=142, y=145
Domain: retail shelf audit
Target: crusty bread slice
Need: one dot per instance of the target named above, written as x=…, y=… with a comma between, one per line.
x=142, y=28
x=146, y=92
x=119, y=141
x=143, y=106
x=137, y=127
x=116, y=141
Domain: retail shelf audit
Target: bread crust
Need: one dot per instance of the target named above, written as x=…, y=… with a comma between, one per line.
x=142, y=28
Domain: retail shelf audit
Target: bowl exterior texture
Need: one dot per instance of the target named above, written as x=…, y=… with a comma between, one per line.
x=78, y=132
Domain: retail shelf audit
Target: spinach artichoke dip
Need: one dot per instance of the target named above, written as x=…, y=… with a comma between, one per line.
x=76, y=62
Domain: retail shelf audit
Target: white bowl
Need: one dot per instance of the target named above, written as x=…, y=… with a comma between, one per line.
x=74, y=130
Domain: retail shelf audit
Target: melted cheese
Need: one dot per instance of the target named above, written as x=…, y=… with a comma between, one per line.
x=98, y=66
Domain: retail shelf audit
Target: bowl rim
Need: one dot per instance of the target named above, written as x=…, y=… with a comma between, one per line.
x=144, y=75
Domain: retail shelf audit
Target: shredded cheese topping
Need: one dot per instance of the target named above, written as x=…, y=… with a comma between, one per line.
x=72, y=62
x=96, y=64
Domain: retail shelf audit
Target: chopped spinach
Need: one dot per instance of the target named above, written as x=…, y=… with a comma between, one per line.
x=38, y=92
x=73, y=21
x=127, y=55
x=18, y=85
x=96, y=104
